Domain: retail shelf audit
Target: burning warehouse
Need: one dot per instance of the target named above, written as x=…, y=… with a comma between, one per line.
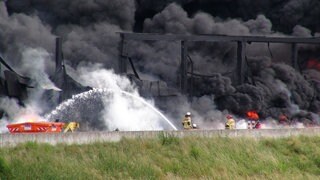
x=248, y=88
x=13, y=85
x=234, y=73
x=16, y=86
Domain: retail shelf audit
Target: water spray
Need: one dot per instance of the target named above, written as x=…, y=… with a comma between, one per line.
x=150, y=106
x=102, y=91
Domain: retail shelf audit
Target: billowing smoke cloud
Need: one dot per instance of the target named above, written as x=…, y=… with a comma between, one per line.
x=97, y=43
x=78, y=12
x=89, y=36
x=35, y=64
x=19, y=31
x=89, y=29
x=284, y=15
x=273, y=87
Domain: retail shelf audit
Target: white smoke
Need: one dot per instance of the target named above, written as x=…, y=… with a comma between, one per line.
x=123, y=112
x=17, y=113
x=3, y=123
x=205, y=113
x=242, y=124
x=35, y=62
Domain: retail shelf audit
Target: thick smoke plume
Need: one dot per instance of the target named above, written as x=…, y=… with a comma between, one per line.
x=89, y=31
x=273, y=87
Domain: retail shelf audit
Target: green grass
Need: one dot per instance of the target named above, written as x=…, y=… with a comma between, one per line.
x=166, y=157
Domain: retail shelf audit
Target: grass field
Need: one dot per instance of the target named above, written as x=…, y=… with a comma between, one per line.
x=166, y=157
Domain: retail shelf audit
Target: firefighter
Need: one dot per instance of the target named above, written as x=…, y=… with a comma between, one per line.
x=283, y=120
x=253, y=119
x=257, y=125
x=186, y=122
x=71, y=126
x=230, y=124
x=253, y=124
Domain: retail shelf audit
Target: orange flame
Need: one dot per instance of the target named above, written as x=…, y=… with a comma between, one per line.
x=283, y=117
x=313, y=64
x=29, y=118
x=253, y=115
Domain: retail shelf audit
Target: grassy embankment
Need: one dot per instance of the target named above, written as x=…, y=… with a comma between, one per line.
x=166, y=157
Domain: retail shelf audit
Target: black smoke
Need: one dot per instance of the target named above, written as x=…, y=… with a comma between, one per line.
x=272, y=86
x=284, y=14
x=89, y=30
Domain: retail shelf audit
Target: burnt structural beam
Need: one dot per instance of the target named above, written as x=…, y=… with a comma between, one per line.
x=218, y=38
x=241, y=55
x=60, y=73
x=294, y=56
x=294, y=41
x=122, y=55
x=59, y=59
x=183, y=67
x=240, y=40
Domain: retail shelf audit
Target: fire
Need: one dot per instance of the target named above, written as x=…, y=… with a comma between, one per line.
x=313, y=64
x=29, y=118
x=253, y=115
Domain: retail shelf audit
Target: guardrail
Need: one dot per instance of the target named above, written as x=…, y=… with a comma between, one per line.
x=111, y=136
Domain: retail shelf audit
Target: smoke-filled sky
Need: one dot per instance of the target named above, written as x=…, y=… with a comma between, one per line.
x=89, y=30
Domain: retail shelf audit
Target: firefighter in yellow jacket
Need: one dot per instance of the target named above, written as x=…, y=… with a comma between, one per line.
x=230, y=124
x=186, y=122
x=71, y=126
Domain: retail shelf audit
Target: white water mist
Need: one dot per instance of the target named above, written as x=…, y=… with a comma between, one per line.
x=124, y=108
x=119, y=105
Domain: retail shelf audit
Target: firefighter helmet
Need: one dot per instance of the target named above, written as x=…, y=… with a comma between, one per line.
x=188, y=114
x=194, y=126
x=229, y=116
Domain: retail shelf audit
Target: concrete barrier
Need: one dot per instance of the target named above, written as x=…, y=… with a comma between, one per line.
x=108, y=136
